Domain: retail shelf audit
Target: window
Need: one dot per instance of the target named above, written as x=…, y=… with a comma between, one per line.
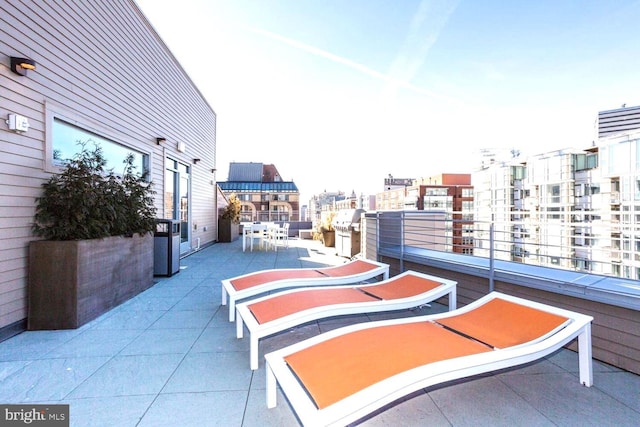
x=619, y=156
x=585, y=161
x=615, y=269
x=554, y=190
x=518, y=172
x=66, y=140
x=637, y=189
x=436, y=192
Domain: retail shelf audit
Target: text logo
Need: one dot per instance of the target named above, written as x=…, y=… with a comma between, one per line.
x=34, y=415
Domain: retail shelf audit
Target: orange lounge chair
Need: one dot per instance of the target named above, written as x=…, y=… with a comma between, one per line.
x=274, y=313
x=340, y=376
x=253, y=284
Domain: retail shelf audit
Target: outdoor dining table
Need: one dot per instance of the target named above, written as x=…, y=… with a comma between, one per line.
x=256, y=230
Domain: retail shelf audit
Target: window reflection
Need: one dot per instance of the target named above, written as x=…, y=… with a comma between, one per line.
x=67, y=140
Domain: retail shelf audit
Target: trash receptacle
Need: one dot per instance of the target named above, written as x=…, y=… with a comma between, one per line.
x=166, y=247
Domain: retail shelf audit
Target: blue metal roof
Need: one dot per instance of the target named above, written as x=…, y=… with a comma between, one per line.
x=258, y=187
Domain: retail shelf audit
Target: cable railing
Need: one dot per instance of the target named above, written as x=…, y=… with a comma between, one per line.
x=549, y=244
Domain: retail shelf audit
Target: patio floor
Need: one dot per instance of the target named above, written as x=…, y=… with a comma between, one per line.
x=170, y=357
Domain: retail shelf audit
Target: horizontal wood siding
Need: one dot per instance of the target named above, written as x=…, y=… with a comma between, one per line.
x=615, y=330
x=101, y=64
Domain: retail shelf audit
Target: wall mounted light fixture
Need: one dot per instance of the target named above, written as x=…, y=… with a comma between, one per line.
x=160, y=140
x=195, y=161
x=213, y=170
x=21, y=65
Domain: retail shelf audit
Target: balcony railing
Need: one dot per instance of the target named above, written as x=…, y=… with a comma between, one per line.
x=548, y=253
x=550, y=244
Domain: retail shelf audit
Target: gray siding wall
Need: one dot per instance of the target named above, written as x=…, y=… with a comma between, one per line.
x=101, y=66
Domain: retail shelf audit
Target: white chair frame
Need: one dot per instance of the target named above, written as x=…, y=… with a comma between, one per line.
x=364, y=402
x=257, y=330
x=230, y=292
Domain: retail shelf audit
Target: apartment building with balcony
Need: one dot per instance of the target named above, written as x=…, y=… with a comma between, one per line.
x=448, y=195
x=263, y=194
x=619, y=170
x=572, y=209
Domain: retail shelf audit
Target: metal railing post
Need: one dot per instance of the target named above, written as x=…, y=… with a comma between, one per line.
x=402, y=241
x=491, y=256
x=378, y=236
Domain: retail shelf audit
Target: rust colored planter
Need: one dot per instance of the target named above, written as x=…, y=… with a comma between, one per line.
x=329, y=238
x=74, y=282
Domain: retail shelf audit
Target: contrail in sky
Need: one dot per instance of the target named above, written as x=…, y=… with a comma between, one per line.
x=344, y=61
x=424, y=30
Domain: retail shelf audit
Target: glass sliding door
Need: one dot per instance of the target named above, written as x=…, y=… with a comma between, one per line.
x=177, y=200
x=185, y=212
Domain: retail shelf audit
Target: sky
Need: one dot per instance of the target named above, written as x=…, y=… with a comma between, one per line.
x=340, y=94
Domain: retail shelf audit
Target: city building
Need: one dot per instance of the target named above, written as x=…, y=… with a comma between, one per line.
x=65, y=79
x=304, y=213
x=263, y=195
x=529, y=204
x=573, y=209
x=324, y=202
x=622, y=119
x=394, y=199
x=451, y=194
x=448, y=195
x=391, y=183
x=394, y=194
x=353, y=202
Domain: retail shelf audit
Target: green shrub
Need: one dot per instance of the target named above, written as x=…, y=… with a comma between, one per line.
x=232, y=210
x=85, y=201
